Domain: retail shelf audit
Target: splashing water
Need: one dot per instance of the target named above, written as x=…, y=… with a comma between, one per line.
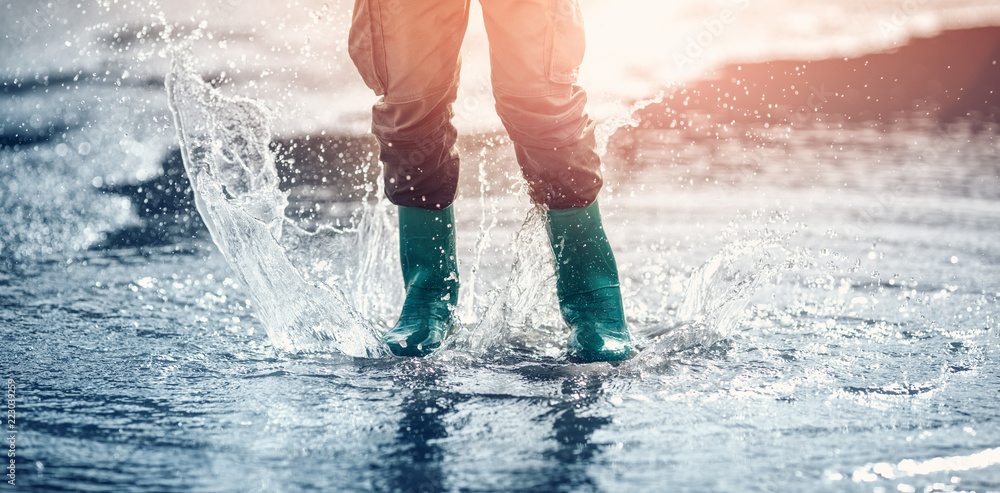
x=719, y=291
x=621, y=118
x=330, y=289
x=521, y=313
x=869, y=367
x=225, y=148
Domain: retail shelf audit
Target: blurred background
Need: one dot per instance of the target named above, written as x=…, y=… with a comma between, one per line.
x=90, y=74
x=294, y=54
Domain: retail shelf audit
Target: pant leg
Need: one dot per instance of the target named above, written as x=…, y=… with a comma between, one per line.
x=536, y=47
x=408, y=52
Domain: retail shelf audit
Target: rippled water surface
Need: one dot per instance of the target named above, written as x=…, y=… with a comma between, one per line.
x=868, y=355
x=816, y=307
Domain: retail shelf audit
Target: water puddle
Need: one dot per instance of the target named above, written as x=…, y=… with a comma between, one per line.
x=815, y=302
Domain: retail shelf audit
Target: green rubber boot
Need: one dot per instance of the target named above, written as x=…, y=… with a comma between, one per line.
x=587, y=283
x=430, y=272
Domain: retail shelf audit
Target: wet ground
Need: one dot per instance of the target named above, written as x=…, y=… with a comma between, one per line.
x=816, y=304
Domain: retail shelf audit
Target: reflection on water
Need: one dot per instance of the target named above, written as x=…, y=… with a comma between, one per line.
x=415, y=460
x=423, y=455
x=572, y=431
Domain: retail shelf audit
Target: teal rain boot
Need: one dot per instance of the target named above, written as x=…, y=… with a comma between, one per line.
x=587, y=283
x=430, y=272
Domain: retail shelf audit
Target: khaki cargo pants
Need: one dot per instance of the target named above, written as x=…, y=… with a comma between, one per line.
x=408, y=52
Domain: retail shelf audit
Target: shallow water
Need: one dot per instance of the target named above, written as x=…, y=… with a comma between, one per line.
x=874, y=344
x=816, y=307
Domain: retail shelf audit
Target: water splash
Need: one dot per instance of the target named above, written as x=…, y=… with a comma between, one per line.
x=232, y=172
x=719, y=290
x=488, y=221
x=330, y=289
x=522, y=314
x=623, y=117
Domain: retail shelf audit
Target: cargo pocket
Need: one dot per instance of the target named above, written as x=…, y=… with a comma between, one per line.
x=364, y=44
x=567, y=41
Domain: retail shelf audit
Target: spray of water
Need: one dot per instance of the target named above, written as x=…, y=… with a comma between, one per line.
x=718, y=291
x=622, y=117
x=330, y=290
x=520, y=314
x=224, y=143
